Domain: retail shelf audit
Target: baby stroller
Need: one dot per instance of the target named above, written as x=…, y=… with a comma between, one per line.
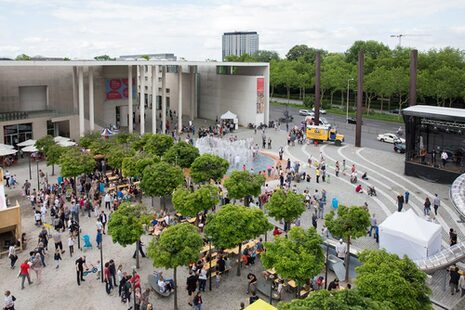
x=371, y=191
x=87, y=244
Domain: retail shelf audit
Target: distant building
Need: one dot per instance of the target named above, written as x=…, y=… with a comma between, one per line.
x=164, y=56
x=239, y=43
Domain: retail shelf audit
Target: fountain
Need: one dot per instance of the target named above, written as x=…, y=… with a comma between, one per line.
x=237, y=153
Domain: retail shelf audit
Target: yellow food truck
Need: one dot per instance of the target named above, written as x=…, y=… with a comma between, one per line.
x=324, y=133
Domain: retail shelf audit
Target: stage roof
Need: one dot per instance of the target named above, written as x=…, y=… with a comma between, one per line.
x=449, y=114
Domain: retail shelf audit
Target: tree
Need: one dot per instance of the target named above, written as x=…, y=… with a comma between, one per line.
x=208, y=167
x=191, y=203
x=88, y=139
x=182, y=154
x=340, y=300
x=298, y=257
x=73, y=162
x=160, y=180
x=372, y=49
x=178, y=245
x=117, y=154
x=233, y=224
x=303, y=51
x=104, y=58
x=285, y=206
x=23, y=57
x=158, y=144
x=243, y=184
x=44, y=143
x=349, y=223
x=134, y=166
x=243, y=58
x=265, y=56
x=383, y=276
x=125, y=226
x=53, y=155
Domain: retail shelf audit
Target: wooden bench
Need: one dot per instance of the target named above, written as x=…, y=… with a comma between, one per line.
x=153, y=282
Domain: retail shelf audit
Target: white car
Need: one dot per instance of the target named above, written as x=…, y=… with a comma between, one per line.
x=389, y=138
x=322, y=111
x=306, y=113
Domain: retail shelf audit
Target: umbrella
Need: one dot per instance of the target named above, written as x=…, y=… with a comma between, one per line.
x=30, y=149
x=6, y=146
x=106, y=132
x=27, y=143
x=65, y=143
x=6, y=152
x=57, y=139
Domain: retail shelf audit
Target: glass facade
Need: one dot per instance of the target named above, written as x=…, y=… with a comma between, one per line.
x=14, y=134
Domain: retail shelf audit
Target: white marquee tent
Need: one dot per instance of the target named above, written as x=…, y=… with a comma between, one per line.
x=405, y=233
x=231, y=116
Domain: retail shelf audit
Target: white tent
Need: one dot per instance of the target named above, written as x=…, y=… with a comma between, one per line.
x=231, y=116
x=30, y=149
x=27, y=143
x=405, y=233
x=60, y=138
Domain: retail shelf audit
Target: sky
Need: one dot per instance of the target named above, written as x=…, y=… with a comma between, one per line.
x=82, y=29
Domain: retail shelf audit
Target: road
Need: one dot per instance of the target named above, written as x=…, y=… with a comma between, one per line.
x=370, y=128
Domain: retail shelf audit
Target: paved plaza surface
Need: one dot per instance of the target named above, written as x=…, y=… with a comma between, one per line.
x=59, y=289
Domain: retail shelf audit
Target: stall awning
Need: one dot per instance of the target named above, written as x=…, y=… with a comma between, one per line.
x=260, y=305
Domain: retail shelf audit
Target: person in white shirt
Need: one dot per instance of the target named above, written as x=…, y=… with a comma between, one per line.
x=107, y=200
x=71, y=245
x=9, y=301
x=341, y=249
x=12, y=256
x=444, y=158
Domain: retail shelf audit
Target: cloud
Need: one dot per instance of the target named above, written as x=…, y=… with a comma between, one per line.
x=193, y=29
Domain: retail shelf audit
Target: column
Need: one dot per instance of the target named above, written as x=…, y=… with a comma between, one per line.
x=91, y=99
x=130, y=112
x=81, y=101
x=179, y=98
x=267, y=95
x=163, y=99
x=317, y=88
x=358, y=125
x=142, y=99
x=193, y=100
x=154, y=97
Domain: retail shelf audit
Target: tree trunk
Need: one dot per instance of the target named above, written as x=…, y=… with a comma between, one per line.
x=238, y=273
x=347, y=260
x=288, y=94
x=389, y=104
x=342, y=98
x=382, y=101
x=331, y=101
x=137, y=255
x=163, y=203
x=175, y=289
x=272, y=91
x=303, y=94
x=53, y=169
x=153, y=203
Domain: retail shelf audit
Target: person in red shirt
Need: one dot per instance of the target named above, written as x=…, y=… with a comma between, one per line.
x=276, y=231
x=135, y=280
x=106, y=278
x=24, y=273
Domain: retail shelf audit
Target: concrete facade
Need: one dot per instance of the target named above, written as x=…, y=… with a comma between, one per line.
x=196, y=89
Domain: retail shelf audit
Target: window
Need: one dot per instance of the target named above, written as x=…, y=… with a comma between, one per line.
x=159, y=79
x=167, y=90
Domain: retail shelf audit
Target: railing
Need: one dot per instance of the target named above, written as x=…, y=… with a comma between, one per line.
x=457, y=195
x=443, y=259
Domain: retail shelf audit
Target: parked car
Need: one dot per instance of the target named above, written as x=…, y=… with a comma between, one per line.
x=399, y=147
x=322, y=111
x=352, y=120
x=390, y=138
x=306, y=113
x=395, y=111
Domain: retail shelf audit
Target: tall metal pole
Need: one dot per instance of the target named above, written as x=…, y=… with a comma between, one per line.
x=358, y=126
x=210, y=260
x=316, y=118
x=101, y=258
x=412, y=91
x=326, y=264
x=30, y=170
x=38, y=183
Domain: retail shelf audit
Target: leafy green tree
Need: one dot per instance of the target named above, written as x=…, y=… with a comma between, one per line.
x=125, y=226
x=298, y=257
x=102, y=146
x=158, y=144
x=285, y=206
x=208, y=167
x=178, y=245
x=243, y=184
x=340, y=300
x=191, y=203
x=125, y=138
x=182, y=154
x=160, y=180
x=139, y=142
x=104, y=57
x=53, y=155
x=233, y=224
x=117, y=154
x=73, y=163
x=289, y=77
x=303, y=51
x=89, y=139
x=243, y=58
x=350, y=223
x=44, y=143
x=372, y=49
x=386, y=277
x=23, y=57
x=134, y=166
x=265, y=56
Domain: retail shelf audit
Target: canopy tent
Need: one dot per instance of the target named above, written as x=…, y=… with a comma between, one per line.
x=6, y=152
x=30, y=149
x=106, y=132
x=260, y=305
x=60, y=138
x=6, y=146
x=405, y=233
x=230, y=116
x=27, y=143
x=66, y=143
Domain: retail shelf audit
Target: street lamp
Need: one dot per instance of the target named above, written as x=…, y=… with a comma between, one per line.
x=210, y=260
x=326, y=264
x=38, y=182
x=348, y=89
x=101, y=258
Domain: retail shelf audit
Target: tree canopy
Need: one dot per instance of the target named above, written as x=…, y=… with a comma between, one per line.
x=208, y=167
x=243, y=183
x=73, y=162
x=158, y=144
x=303, y=51
x=386, y=277
x=117, y=154
x=182, y=154
x=160, y=179
x=125, y=226
x=191, y=203
x=298, y=257
x=285, y=206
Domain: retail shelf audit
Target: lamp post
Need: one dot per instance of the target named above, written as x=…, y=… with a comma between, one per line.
x=101, y=257
x=210, y=261
x=38, y=183
x=348, y=89
x=30, y=170
x=326, y=264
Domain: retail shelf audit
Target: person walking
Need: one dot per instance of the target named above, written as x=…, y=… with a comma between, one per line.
x=103, y=220
x=57, y=258
x=427, y=207
x=406, y=197
x=436, y=204
x=71, y=245
x=374, y=224
x=452, y=237
x=9, y=301
x=337, y=168
x=462, y=283
x=24, y=273
x=454, y=279
x=80, y=263
x=202, y=279
x=444, y=158
x=198, y=301
x=57, y=240
x=37, y=266
x=112, y=268
x=107, y=278
x=341, y=249
x=400, y=203
x=139, y=247
x=12, y=256
x=191, y=286
x=317, y=175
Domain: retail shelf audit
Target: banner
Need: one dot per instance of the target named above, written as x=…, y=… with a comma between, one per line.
x=260, y=95
x=117, y=89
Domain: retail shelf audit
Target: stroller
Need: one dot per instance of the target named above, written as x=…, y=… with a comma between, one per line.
x=87, y=244
x=371, y=191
